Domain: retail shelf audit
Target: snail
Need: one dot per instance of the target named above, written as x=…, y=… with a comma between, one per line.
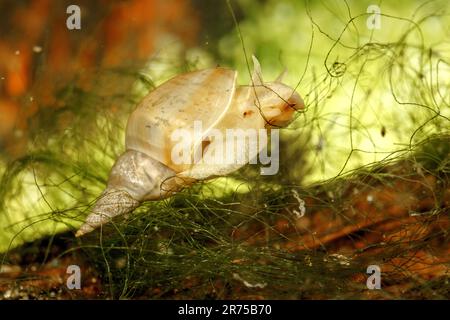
x=147, y=170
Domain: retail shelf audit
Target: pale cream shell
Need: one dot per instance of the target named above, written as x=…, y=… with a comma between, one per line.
x=203, y=95
x=243, y=114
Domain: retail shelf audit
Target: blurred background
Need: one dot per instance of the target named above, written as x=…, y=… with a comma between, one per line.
x=375, y=78
x=41, y=56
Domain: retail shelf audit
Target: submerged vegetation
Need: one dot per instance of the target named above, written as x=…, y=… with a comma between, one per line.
x=364, y=172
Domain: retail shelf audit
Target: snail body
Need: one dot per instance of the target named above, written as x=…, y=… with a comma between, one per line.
x=148, y=170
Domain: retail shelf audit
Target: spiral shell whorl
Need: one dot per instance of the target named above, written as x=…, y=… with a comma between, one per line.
x=112, y=203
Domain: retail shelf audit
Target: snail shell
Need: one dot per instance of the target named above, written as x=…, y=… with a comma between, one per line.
x=146, y=170
x=204, y=95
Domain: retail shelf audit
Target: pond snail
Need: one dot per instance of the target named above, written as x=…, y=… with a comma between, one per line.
x=147, y=170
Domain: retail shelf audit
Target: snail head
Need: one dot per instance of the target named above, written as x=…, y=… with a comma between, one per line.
x=276, y=101
x=278, y=104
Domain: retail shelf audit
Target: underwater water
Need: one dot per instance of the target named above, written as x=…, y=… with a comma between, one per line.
x=375, y=83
